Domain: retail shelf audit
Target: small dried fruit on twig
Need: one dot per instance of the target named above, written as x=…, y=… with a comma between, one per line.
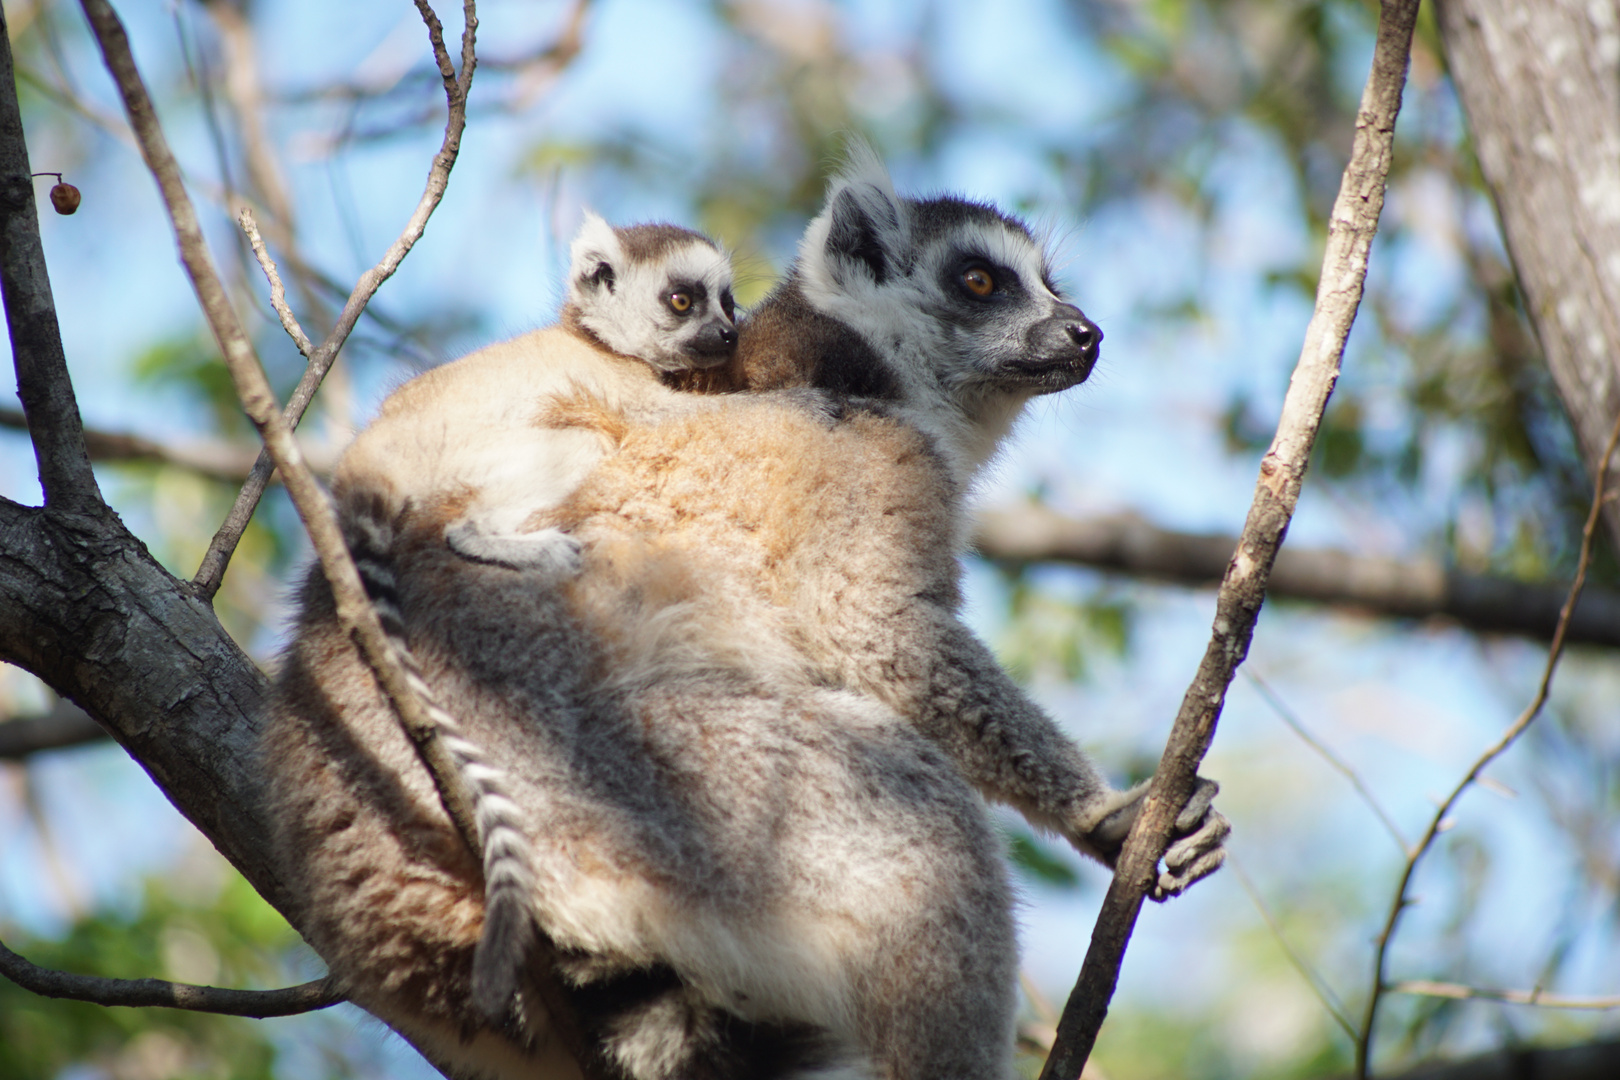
x=65, y=197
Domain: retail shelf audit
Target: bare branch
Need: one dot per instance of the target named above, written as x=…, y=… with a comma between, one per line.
x=43, y=384
x=1331, y=758
x=64, y=725
x=278, y=291
x=1459, y=992
x=147, y=993
x=1351, y=228
x=224, y=543
x=1600, y=498
x=1417, y=588
x=354, y=610
x=217, y=459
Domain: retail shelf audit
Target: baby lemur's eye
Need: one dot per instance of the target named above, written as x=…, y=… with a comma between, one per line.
x=978, y=281
x=681, y=301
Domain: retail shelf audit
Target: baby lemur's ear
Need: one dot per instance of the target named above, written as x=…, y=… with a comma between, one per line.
x=593, y=255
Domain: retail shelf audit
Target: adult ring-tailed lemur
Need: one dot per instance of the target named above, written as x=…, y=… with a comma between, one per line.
x=742, y=741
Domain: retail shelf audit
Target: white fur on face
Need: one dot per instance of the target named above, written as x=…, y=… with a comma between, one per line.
x=632, y=315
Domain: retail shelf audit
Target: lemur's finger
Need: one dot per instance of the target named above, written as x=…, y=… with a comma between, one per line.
x=1193, y=813
x=1209, y=837
x=1174, y=884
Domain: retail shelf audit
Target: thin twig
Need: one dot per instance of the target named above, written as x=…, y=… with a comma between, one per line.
x=1287, y=716
x=1439, y=822
x=220, y=549
x=1319, y=986
x=147, y=993
x=1459, y=992
x=1351, y=228
x=278, y=291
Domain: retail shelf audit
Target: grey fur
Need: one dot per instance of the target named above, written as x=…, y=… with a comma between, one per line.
x=748, y=729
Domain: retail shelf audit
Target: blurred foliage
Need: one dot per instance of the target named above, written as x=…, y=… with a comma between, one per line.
x=1051, y=635
x=229, y=938
x=1037, y=860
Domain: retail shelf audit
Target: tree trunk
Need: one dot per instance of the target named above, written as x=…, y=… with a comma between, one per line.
x=1540, y=83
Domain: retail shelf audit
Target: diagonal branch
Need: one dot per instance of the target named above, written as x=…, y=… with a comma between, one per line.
x=456, y=87
x=354, y=610
x=146, y=993
x=36, y=339
x=1351, y=228
x=259, y=401
x=1600, y=500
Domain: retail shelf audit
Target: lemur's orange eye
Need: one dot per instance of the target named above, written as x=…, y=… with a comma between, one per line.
x=681, y=302
x=978, y=281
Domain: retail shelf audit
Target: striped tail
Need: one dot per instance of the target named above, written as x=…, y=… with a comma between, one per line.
x=510, y=932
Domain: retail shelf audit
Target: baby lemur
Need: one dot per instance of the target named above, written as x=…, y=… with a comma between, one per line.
x=642, y=300
x=739, y=741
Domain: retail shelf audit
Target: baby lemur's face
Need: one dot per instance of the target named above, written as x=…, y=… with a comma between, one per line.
x=659, y=293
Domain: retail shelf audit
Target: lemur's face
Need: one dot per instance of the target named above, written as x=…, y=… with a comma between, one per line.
x=955, y=294
x=1009, y=327
x=659, y=293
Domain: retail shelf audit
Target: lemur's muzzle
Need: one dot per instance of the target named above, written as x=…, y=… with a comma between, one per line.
x=1064, y=340
x=714, y=343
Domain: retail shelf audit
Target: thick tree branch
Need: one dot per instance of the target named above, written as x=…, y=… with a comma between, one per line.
x=1391, y=588
x=146, y=993
x=36, y=340
x=64, y=725
x=1539, y=85
x=1351, y=228
x=1418, y=589
x=1600, y=497
x=456, y=87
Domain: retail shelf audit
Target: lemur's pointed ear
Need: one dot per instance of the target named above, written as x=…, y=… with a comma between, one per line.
x=593, y=255
x=864, y=228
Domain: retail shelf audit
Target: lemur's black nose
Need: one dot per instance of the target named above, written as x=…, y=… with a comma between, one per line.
x=715, y=341
x=1086, y=335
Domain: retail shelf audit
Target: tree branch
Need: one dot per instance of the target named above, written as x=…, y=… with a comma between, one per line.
x=1458, y=992
x=1600, y=498
x=1532, y=76
x=36, y=339
x=456, y=87
x=1418, y=589
x=1351, y=228
x=258, y=400
x=64, y=725
x=355, y=612
x=146, y=993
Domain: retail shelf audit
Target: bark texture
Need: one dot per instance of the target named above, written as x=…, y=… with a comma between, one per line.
x=1540, y=83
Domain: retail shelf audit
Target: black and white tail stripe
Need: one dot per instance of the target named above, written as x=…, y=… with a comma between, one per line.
x=509, y=929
